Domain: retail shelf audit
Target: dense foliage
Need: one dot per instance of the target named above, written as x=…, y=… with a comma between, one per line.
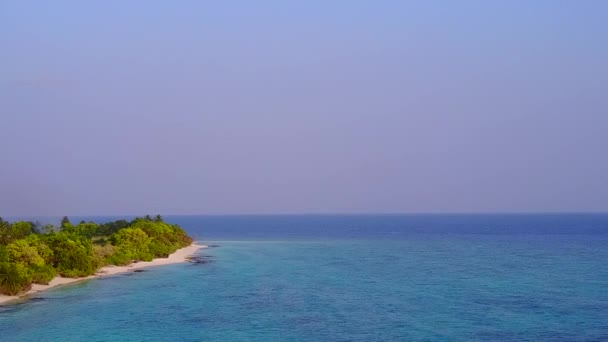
x=34, y=254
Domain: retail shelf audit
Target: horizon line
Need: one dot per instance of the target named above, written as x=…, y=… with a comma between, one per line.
x=329, y=214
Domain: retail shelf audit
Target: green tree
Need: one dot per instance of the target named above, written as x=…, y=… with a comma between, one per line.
x=65, y=221
x=11, y=232
x=78, y=250
x=86, y=229
x=109, y=228
x=49, y=228
x=29, y=252
x=73, y=255
x=21, y=229
x=165, y=238
x=42, y=247
x=133, y=242
x=5, y=232
x=22, y=252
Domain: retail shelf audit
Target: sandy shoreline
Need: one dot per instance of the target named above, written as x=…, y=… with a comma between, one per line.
x=179, y=256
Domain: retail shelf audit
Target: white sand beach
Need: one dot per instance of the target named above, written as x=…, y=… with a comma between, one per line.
x=179, y=256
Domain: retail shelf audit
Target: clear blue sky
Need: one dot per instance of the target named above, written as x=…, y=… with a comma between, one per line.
x=130, y=107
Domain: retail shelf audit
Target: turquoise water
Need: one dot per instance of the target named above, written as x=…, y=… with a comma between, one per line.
x=348, y=278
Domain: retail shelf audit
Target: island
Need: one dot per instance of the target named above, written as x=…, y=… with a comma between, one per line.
x=35, y=257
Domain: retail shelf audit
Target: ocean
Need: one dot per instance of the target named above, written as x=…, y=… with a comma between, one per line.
x=519, y=277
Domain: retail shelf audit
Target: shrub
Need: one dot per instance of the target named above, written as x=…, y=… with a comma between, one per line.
x=133, y=242
x=73, y=255
x=86, y=229
x=43, y=274
x=78, y=250
x=119, y=258
x=43, y=249
x=21, y=251
x=165, y=238
x=102, y=253
x=4, y=257
x=15, y=231
x=15, y=278
x=160, y=250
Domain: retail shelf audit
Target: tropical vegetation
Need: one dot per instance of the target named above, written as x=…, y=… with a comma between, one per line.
x=31, y=253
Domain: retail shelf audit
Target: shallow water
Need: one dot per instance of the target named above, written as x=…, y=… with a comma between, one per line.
x=348, y=278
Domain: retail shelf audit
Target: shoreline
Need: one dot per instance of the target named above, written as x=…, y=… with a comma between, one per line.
x=179, y=256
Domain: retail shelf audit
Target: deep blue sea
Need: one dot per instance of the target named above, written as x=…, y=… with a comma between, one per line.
x=348, y=278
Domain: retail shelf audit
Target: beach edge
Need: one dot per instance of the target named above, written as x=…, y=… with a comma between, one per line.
x=179, y=256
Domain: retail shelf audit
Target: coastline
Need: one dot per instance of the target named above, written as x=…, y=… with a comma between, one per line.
x=178, y=256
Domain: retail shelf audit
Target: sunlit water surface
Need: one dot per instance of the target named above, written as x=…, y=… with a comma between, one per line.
x=348, y=278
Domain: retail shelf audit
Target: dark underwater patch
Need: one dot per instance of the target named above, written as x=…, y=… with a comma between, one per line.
x=199, y=259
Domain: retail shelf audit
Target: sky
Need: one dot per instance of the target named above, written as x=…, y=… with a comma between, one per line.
x=262, y=107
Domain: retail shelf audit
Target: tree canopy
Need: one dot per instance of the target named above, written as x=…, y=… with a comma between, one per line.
x=32, y=253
